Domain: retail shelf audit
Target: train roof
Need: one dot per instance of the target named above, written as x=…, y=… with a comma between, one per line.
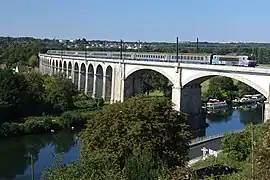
x=230, y=56
x=187, y=54
x=196, y=54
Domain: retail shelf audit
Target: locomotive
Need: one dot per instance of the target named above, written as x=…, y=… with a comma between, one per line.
x=193, y=58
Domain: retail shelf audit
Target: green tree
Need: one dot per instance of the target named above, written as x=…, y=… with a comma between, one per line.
x=245, y=89
x=138, y=123
x=13, y=95
x=238, y=146
x=101, y=166
x=221, y=88
x=32, y=61
x=36, y=92
x=59, y=93
x=262, y=153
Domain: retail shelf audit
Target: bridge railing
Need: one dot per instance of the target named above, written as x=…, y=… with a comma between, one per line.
x=209, y=138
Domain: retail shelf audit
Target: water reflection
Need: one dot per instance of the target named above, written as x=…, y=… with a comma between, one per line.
x=15, y=153
x=227, y=120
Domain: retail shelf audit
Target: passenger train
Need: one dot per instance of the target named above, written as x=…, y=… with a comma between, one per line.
x=194, y=58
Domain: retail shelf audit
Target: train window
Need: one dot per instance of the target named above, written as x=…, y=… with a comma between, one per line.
x=201, y=58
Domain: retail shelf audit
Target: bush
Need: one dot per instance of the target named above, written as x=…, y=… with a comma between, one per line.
x=69, y=119
x=37, y=125
x=11, y=129
x=102, y=166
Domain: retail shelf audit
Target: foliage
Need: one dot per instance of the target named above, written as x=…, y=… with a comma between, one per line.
x=262, y=154
x=13, y=95
x=138, y=123
x=153, y=80
x=237, y=146
x=221, y=88
x=101, y=166
x=32, y=61
x=141, y=166
x=36, y=92
x=237, y=150
x=245, y=89
x=71, y=118
x=59, y=92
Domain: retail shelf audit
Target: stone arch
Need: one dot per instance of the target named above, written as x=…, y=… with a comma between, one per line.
x=108, y=83
x=82, y=77
x=65, y=68
x=60, y=66
x=134, y=83
x=156, y=69
x=53, y=67
x=99, y=82
x=90, y=81
x=200, y=78
x=76, y=74
x=56, y=66
x=69, y=72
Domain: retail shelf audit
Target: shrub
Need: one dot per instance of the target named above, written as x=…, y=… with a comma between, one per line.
x=71, y=118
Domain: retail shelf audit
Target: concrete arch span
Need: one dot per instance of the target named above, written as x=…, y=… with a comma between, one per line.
x=168, y=74
x=138, y=82
x=200, y=78
x=99, y=81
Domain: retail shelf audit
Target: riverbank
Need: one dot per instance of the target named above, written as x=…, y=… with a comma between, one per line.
x=238, y=153
x=68, y=120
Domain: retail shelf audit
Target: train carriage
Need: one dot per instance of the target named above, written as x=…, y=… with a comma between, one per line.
x=193, y=58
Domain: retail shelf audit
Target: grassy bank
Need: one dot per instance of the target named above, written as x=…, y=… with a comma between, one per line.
x=77, y=118
x=43, y=124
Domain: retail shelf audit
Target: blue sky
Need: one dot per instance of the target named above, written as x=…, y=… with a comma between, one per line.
x=145, y=20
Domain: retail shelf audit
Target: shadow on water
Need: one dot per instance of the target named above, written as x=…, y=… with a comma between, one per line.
x=226, y=120
x=15, y=153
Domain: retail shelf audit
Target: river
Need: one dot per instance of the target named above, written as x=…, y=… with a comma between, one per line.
x=15, y=153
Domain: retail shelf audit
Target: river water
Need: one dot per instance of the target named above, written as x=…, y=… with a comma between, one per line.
x=15, y=153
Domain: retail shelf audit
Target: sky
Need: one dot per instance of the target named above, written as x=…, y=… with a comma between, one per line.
x=133, y=20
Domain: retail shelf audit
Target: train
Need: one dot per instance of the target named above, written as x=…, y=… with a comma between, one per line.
x=193, y=58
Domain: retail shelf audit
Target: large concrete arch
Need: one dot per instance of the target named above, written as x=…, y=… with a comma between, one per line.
x=82, y=77
x=152, y=68
x=99, y=81
x=69, y=70
x=134, y=83
x=53, y=67
x=76, y=74
x=108, y=83
x=65, y=68
x=90, y=79
x=199, y=78
x=56, y=65
x=60, y=66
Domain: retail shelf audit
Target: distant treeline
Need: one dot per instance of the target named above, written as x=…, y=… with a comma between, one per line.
x=20, y=50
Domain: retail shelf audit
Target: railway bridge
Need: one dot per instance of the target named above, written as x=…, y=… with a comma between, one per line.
x=117, y=79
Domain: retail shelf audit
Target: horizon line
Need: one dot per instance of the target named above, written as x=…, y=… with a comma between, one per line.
x=143, y=41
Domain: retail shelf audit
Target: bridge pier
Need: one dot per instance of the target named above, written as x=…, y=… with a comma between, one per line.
x=132, y=86
x=188, y=101
x=266, y=110
x=191, y=99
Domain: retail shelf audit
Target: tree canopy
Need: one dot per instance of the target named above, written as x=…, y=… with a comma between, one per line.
x=142, y=138
x=30, y=94
x=139, y=123
x=222, y=88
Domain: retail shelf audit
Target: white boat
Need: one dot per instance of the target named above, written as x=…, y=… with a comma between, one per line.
x=216, y=104
x=252, y=98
